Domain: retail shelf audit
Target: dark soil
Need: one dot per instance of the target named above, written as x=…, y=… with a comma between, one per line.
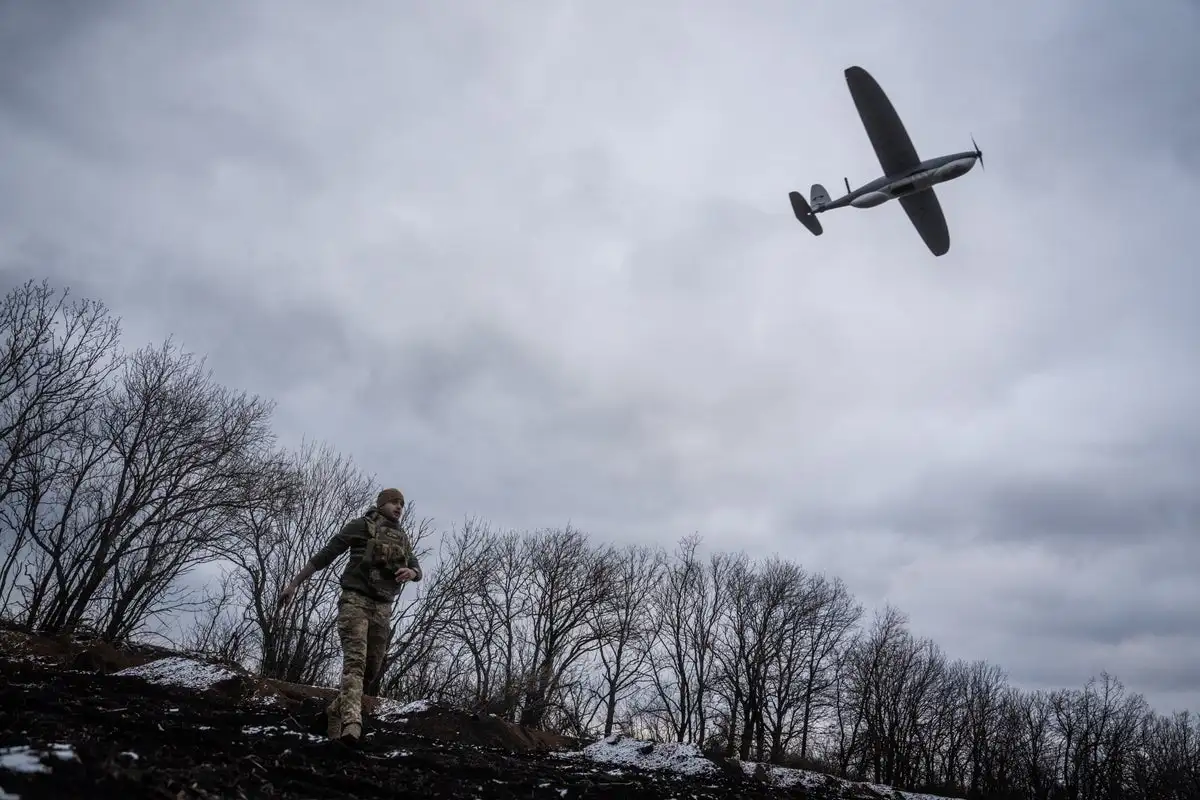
x=133, y=739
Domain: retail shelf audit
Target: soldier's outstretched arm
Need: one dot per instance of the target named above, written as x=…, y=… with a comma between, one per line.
x=337, y=545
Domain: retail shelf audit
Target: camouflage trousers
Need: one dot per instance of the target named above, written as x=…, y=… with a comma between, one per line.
x=363, y=626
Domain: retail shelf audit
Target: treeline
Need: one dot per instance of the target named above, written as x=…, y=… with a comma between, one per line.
x=122, y=472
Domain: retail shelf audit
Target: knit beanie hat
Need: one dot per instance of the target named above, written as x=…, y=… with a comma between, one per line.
x=390, y=496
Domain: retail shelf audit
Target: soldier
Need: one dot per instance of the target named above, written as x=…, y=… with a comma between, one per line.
x=381, y=560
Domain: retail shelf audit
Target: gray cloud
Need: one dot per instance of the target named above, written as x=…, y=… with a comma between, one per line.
x=539, y=266
x=248, y=343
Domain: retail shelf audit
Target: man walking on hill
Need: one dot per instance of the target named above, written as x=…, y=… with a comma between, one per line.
x=381, y=561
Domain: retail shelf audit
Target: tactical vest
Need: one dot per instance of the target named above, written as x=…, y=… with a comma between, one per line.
x=381, y=555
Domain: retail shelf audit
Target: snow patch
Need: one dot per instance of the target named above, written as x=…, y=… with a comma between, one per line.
x=278, y=730
x=180, y=671
x=685, y=759
x=64, y=752
x=917, y=795
x=785, y=777
x=789, y=778
x=24, y=758
x=395, y=712
x=886, y=791
x=21, y=759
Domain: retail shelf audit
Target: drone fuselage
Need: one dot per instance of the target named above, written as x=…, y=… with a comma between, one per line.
x=890, y=187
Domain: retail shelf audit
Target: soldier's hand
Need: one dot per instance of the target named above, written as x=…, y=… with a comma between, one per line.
x=286, y=595
x=405, y=574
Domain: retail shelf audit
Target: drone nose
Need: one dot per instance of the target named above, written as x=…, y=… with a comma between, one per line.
x=978, y=153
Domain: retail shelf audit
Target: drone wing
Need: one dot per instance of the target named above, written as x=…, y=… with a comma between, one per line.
x=888, y=136
x=925, y=213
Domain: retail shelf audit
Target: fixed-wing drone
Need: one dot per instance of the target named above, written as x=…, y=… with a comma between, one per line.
x=905, y=176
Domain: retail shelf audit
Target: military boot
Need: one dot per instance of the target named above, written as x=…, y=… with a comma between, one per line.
x=351, y=733
x=333, y=721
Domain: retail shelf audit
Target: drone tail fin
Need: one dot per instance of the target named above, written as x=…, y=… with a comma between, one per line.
x=804, y=213
x=819, y=196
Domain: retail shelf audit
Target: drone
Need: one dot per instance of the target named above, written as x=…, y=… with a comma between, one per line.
x=905, y=176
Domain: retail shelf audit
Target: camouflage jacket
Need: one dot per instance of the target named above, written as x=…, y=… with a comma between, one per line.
x=378, y=547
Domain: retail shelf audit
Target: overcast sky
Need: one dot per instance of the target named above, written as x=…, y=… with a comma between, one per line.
x=534, y=261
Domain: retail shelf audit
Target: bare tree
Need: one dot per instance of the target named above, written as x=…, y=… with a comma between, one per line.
x=943, y=742
x=58, y=483
x=567, y=579
x=914, y=702
x=871, y=670
x=731, y=684
x=849, y=706
x=804, y=633
x=679, y=658
x=1040, y=760
x=577, y=704
x=767, y=617
x=712, y=597
x=166, y=463
x=1167, y=761
x=623, y=629
x=55, y=366
x=1096, y=729
x=983, y=698
x=488, y=617
x=835, y=617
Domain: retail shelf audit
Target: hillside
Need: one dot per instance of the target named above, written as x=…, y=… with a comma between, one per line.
x=82, y=719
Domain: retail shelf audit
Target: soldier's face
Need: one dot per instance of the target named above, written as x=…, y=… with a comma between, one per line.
x=391, y=509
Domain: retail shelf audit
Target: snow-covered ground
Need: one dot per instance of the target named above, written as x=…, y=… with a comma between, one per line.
x=26, y=759
x=29, y=760
x=621, y=751
x=394, y=711
x=181, y=671
x=686, y=759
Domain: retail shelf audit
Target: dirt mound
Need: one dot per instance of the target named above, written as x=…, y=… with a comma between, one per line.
x=293, y=698
x=193, y=674
x=80, y=651
x=435, y=722
x=103, y=658
x=480, y=730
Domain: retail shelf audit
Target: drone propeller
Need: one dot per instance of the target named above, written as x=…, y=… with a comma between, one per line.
x=978, y=153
